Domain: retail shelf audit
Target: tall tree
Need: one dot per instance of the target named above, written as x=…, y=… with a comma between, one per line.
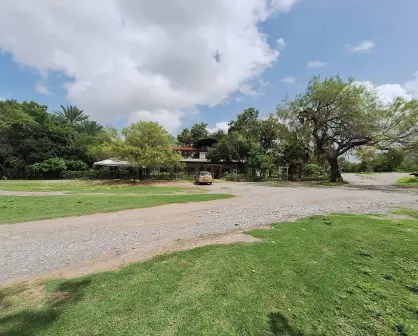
x=343, y=115
x=189, y=137
x=146, y=144
x=71, y=115
x=89, y=127
x=249, y=140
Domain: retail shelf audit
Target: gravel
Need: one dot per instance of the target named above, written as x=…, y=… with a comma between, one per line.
x=31, y=249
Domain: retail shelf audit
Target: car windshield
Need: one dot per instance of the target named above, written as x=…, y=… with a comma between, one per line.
x=204, y=174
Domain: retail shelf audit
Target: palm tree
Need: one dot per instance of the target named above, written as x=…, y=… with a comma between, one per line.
x=89, y=127
x=71, y=115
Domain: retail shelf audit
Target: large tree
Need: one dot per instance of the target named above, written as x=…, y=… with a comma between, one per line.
x=145, y=144
x=71, y=115
x=343, y=115
x=249, y=139
x=28, y=135
x=188, y=137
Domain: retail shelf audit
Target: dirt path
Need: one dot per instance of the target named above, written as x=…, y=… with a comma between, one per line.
x=80, y=245
x=373, y=179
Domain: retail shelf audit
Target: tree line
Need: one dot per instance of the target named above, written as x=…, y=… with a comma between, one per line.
x=324, y=128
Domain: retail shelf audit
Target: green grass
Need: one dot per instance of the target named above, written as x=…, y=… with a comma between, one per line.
x=407, y=212
x=336, y=275
x=16, y=209
x=410, y=181
x=91, y=187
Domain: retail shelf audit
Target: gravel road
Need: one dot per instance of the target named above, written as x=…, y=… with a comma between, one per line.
x=79, y=245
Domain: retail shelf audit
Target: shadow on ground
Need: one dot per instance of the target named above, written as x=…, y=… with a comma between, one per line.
x=279, y=326
x=31, y=322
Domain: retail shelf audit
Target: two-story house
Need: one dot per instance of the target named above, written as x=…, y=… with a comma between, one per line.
x=195, y=159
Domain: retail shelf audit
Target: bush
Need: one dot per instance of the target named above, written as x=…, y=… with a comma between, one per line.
x=234, y=177
x=53, y=167
x=76, y=165
x=96, y=175
x=409, y=180
x=312, y=171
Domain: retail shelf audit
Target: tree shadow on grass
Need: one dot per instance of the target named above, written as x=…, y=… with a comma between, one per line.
x=279, y=326
x=30, y=322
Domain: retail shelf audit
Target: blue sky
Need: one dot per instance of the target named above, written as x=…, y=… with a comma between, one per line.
x=325, y=31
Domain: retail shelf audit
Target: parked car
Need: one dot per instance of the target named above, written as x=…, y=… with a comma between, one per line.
x=204, y=177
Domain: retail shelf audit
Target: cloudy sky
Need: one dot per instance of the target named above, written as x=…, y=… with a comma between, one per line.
x=184, y=61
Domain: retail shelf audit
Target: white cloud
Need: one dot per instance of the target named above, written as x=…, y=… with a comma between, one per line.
x=247, y=90
x=281, y=44
x=388, y=92
x=42, y=89
x=142, y=57
x=223, y=125
x=289, y=80
x=169, y=120
x=316, y=64
x=364, y=46
x=412, y=86
x=253, y=89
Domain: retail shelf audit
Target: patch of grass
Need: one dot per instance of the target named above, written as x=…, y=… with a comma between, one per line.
x=92, y=187
x=17, y=209
x=410, y=181
x=356, y=276
x=406, y=212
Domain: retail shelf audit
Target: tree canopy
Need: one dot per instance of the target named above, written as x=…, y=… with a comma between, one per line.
x=145, y=144
x=343, y=115
x=334, y=119
x=30, y=135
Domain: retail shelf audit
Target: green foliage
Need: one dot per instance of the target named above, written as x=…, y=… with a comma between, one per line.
x=249, y=140
x=95, y=174
x=408, y=181
x=189, y=137
x=343, y=115
x=71, y=115
x=76, y=165
x=50, y=166
x=46, y=207
x=312, y=170
x=30, y=135
x=145, y=144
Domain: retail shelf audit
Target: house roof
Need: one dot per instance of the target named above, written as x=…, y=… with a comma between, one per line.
x=113, y=163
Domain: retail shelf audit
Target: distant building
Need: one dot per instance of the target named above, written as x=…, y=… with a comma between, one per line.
x=195, y=160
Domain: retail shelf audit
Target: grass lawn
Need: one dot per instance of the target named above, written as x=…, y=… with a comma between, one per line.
x=92, y=187
x=407, y=212
x=16, y=209
x=339, y=275
x=410, y=181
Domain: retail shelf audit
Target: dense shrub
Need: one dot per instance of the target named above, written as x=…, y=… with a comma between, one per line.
x=76, y=165
x=49, y=168
x=312, y=171
x=96, y=175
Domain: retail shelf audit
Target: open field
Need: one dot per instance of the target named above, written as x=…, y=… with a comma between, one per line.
x=93, y=187
x=323, y=275
x=17, y=209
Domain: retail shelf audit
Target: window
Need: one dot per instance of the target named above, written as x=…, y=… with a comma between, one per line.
x=205, y=173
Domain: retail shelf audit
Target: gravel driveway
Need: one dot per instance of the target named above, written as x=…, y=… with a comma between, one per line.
x=80, y=245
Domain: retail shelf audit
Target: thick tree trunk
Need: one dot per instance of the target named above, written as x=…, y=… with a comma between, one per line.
x=335, y=169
